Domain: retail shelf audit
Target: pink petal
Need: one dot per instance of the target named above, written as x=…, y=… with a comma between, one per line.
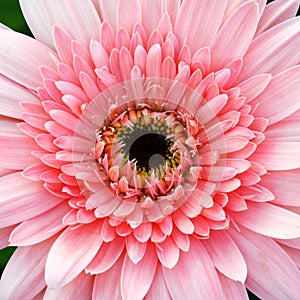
x=143, y=232
x=135, y=249
x=194, y=276
x=125, y=17
x=280, y=98
x=158, y=287
x=277, y=12
x=47, y=14
x=233, y=290
x=254, y=86
x=86, y=240
x=79, y=288
x=226, y=256
x=19, y=60
x=106, y=257
x=266, y=55
x=23, y=276
x=21, y=199
x=107, y=285
x=16, y=147
x=4, y=236
x=235, y=36
x=39, y=228
x=136, y=279
x=11, y=94
x=284, y=185
x=172, y=7
x=151, y=20
x=278, y=155
x=168, y=253
x=108, y=11
x=266, y=276
x=270, y=220
x=195, y=15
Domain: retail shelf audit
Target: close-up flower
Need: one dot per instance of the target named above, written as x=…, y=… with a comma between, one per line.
x=150, y=149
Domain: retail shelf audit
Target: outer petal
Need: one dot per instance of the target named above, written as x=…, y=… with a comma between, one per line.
x=21, y=57
x=86, y=240
x=11, y=94
x=4, y=236
x=158, y=287
x=273, y=51
x=277, y=12
x=226, y=256
x=285, y=185
x=23, y=276
x=21, y=199
x=233, y=290
x=281, y=97
x=235, y=36
x=79, y=288
x=142, y=272
x=125, y=16
x=79, y=18
x=270, y=220
x=107, y=285
x=39, y=228
x=272, y=281
x=194, y=22
x=194, y=276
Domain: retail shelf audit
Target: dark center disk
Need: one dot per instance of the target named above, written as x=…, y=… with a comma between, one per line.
x=147, y=146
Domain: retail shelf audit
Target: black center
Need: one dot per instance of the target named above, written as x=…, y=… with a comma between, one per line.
x=147, y=146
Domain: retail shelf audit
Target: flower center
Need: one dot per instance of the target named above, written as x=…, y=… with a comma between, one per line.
x=144, y=153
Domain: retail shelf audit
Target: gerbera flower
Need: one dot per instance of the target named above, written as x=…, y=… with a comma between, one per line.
x=151, y=150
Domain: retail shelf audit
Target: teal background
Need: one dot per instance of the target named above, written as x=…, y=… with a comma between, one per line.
x=11, y=16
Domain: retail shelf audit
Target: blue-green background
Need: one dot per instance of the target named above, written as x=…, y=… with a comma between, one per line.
x=11, y=16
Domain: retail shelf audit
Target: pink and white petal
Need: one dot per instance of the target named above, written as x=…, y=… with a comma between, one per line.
x=21, y=199
x=23, y=276
x=39, y=228
x=235, y=36
x=226, y=256
x=106, y=257
x=21, y=57
x=278, y=155
x=86, y=240
x=81, y=22
x=4, y=236
x=284, y=185
x=135, y=249
x=108, y=11
x=142, y=272
x=254, y=86
x=233, y=290
x=293, y=253
x=194, y=276
x=273, y=51
x=280, y=98
x=107, y=285
x=172, y=8
x=11, y=94
x=265, y=258
x=79, y=288
x=276, y=12
x=195, y=15
x=125, y=18
x=269, y=220
x=287, y=129
x=168, y=253
x=151, y=20
x=158, y=287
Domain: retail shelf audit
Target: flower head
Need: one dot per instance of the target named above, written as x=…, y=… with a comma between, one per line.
x=150, y=150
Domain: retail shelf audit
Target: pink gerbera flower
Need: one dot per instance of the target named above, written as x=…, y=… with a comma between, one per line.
x=151, y=150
